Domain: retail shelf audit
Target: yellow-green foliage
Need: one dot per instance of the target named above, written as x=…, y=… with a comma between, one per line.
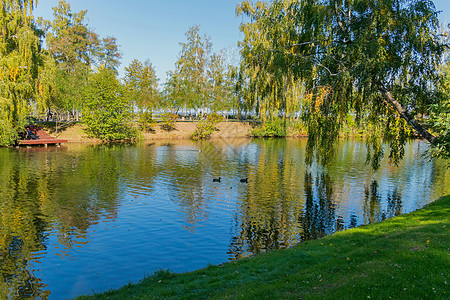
x=273, y=128
x=107, y=112
x=206, y=128
x=146, y=121
x=19, y=58
x=370, y=58
x=168, y=121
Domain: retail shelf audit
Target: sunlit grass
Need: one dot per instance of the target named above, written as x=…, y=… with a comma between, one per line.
x=406, y=257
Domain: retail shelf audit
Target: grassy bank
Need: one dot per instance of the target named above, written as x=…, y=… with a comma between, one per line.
x=406, y=257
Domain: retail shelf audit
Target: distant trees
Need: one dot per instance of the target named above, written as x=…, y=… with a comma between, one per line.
x=142, y=85
x=108, y=54
x=220, y=85
x=377, y=63
x=59, y=80
x=192, y=66
x=266, y=73
x=72, y=46
x=76, y=50
x=201, y=80
x=53, y=79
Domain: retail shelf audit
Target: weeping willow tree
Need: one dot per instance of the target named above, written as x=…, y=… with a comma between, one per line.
x=19, y=55
x=376, y=61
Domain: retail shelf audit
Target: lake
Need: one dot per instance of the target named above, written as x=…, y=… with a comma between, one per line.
x=84, y=218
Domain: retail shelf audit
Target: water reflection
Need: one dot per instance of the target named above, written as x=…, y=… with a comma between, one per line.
x=68, y=214
x=319, y=217
x=373, y=211
x=45, y=192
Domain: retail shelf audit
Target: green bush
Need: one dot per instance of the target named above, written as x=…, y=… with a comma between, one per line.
x=440, y=121
x=107, y=112
x=298, y=128
x=168, y=121
x=206, y=128
x=273, y=128
x=146, y=121
x=8, y=135
x=214, y=118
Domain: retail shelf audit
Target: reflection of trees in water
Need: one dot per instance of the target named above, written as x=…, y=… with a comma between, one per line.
x=21, y=235
x=353, y=221
x=21, y=231
x=276, y=212
x=281, y=205
x=49, y=190
x=270, y=207
x=267, y=222
x=184, y=174
x=188, y=174
x=394, y=204
x=318, y=219
x=284, y=203
x=372, y=204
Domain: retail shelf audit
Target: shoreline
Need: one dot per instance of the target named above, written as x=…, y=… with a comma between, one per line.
x=404, y=257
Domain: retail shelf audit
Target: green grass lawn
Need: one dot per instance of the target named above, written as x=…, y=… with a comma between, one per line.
x=406, y=257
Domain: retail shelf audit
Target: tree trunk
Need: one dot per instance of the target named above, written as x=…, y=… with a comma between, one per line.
x=405, y=115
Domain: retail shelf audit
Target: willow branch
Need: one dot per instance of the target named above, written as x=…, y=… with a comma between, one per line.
x=405, y=115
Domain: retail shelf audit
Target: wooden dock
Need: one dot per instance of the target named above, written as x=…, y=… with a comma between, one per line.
x=44, y=139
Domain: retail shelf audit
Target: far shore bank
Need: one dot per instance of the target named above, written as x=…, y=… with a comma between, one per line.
x=76, y=133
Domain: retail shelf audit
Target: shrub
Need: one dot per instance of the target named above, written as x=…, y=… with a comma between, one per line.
x=298, y=128
x=206, y=128
x=168, y=121
x=107, y=113
x=214, y=118
x=273, y=128
x=146, y=121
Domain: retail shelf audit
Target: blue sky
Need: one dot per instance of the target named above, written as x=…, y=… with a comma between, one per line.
x=153, y=29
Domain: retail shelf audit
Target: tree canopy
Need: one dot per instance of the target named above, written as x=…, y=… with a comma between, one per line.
x=142, y=84
x=202, y=79
x=107, y=111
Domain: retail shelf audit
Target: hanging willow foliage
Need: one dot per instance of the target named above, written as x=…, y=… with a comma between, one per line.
x=271, y=83
x=376, y=61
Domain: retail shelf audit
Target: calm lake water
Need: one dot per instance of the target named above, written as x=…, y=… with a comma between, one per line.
x=85, y=218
